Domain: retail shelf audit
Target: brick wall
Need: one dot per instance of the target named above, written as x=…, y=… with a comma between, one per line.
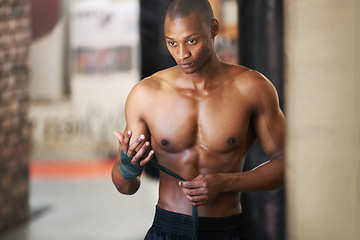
x=14, y=106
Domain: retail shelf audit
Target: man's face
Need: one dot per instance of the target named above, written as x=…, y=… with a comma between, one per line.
x=189, y=41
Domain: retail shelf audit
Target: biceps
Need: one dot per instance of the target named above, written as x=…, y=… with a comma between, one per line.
x=270, y=130
x=137, y=126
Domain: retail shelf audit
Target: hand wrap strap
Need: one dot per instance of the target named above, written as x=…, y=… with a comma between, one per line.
x=128, y=169
x=194, y=208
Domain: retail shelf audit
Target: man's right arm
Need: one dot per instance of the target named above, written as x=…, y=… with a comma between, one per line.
x=133, y=147
x=124, y=186
x=129, y=185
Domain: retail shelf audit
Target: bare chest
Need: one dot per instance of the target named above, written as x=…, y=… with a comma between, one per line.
x=217, y=122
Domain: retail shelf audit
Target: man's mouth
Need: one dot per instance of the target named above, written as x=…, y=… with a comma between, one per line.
x=185, y=65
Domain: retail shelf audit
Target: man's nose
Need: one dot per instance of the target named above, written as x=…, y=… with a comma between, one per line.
x=184, y=52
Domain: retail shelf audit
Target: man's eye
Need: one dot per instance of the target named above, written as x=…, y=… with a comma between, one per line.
x=172, y=44
x=191, y=41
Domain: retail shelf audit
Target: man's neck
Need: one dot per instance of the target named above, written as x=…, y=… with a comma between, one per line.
x=202, y=78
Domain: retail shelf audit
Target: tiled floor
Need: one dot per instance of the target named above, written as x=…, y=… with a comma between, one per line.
x=85, y=207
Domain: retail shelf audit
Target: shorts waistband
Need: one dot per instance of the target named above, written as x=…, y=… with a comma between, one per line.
x=182, y=224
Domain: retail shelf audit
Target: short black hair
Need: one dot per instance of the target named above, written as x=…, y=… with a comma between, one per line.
x=183, y=8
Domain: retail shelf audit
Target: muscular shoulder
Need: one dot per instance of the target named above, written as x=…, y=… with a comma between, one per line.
x=255, y=86
x=247, y=79
x=144, y=96
x=153, y=84
x=145, y=93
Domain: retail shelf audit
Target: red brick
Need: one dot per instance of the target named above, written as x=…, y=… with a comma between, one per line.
x=14, y=107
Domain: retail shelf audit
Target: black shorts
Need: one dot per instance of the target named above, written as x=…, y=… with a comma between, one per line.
x=175, y=226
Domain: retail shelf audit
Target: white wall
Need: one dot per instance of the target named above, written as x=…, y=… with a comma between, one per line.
x=322, y=106
x=46, y=65
x=79, y=126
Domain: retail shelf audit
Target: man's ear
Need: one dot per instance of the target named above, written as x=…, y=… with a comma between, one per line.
x=214, y=28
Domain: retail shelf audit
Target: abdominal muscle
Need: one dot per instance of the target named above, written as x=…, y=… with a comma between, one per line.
x=211, y=155
x=172, y=198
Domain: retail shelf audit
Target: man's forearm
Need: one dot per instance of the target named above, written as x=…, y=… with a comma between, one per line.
x=124, y=186
x=265, y=177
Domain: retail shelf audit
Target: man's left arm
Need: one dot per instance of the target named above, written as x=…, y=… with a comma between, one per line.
x=269, y=126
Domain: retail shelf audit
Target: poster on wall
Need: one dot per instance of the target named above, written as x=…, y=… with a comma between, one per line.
x=104, y=36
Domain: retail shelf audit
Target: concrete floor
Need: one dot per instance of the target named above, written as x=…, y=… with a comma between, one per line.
x=86, y=209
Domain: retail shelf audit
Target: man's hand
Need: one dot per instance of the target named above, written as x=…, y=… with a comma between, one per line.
x=124, y=145
x=203, y=189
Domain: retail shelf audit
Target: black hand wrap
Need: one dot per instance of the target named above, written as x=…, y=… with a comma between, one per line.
x=128, y=169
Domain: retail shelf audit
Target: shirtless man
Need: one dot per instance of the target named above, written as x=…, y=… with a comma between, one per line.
x=200, y=119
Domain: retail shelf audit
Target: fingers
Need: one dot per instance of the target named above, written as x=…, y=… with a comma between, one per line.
x=199, y=191
x=139, y=155
x=130, y=150
x=126, y=141
x=119, y=136
x=195, y=183
x=198, y=200
x=197, y=197
x=191, y=184
x=134, y=145
x=196, y=191
x=147, y=159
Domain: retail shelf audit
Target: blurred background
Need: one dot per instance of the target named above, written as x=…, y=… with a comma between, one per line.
x=66, y=67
